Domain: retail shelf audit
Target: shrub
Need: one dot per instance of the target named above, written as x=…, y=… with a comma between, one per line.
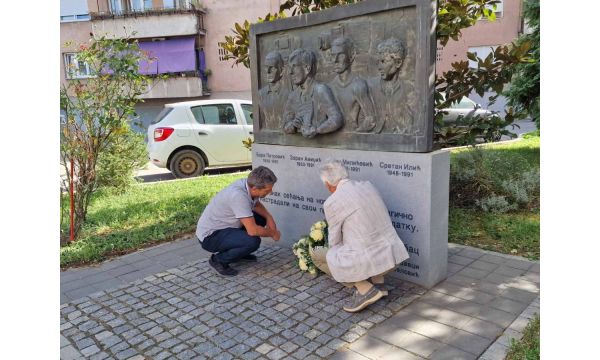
x=483, y=179
x=496, y=204
x=123, y=155
x=469, y=179
x=525, y=189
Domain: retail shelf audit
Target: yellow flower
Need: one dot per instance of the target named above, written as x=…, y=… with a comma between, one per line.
x=302, y=265
x=320, y=225
x=317, y=234
x=312, y=271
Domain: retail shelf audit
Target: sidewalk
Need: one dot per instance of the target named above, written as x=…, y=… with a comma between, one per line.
x=166, y=303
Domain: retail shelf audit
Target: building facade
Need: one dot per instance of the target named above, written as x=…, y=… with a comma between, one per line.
x=481, y=39
x=184, y=36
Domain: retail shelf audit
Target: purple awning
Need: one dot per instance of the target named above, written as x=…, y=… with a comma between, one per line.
x=174, y=55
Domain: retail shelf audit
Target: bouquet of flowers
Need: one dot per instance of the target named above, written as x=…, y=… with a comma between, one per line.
x=317, y=237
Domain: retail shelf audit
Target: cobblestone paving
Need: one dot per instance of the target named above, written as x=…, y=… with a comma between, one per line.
x=269, y=311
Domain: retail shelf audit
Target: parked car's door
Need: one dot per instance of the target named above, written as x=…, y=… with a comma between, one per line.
x=247, y=114
x=220, y=132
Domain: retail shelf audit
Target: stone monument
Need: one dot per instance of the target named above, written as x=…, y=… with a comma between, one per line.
x=354, y=83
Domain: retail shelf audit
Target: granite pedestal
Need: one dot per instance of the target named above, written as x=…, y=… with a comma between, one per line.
x=414, y=187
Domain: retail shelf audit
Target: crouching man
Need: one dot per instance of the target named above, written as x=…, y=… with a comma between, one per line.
x=363, y=244
x=234, y=221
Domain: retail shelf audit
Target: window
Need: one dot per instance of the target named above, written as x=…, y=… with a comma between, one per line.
x=137, y=5
x=75, y=69
x=177, y=4
x=80, y=17
x=482, y=52
x=117, y=6
x=247, y=109
x=74, y=10
x=141, y=5
x=222, y=53
x=217, y=114
x=163, y=114
x=438, y=54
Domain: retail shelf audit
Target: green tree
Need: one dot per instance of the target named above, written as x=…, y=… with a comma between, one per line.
x=98, y=111
x=490, y=74
x=524, y=92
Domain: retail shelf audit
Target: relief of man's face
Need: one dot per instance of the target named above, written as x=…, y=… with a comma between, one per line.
x=341, y=60
x=388, y=66
x=274, y=73
x=298, y=71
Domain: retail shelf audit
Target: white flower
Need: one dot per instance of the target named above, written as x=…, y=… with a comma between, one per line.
x=317, y=234
x=302, y=265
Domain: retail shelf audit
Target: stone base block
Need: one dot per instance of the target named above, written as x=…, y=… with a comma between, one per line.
x=414, y=186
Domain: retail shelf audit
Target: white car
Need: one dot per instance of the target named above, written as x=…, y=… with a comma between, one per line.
x=188, y=137
x=465, y=107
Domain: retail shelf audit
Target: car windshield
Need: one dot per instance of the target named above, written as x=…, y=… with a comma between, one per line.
x=465, y=103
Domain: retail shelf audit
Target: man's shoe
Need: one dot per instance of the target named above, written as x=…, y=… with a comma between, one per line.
x=249, y=257
x=223, y=269
x=358, y=302
x=385, y=289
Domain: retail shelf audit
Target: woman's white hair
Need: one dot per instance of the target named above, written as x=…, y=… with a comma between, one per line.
x=332, y=172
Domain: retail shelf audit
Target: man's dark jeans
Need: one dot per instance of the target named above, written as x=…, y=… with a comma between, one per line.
x=231, y=245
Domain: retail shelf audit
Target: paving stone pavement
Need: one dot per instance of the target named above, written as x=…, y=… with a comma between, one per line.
x=272, y=311
x=269, y=311
x=79, y=282
x=487, y=299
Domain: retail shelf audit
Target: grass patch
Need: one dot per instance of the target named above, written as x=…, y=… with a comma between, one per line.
x=528, y=348
x=516, y=233
x=144, y=215
x=509, y=233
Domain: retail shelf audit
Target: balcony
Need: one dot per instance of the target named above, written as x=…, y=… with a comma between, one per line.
x=181, y=86
x=149, y=23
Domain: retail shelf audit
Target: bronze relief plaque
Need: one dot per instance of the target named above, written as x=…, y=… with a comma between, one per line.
x=357, y=77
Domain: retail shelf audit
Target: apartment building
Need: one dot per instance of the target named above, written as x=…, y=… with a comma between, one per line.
x=481, y=39
x=185, y=34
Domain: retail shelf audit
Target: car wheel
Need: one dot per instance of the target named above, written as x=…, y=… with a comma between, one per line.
x=187, y=163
